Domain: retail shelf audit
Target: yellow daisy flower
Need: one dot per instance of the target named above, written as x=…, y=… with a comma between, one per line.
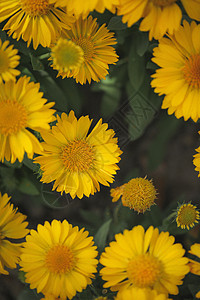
x=22, y=108
x=159, y=16
x=58, y=259
x=76, y=160
x=34, y=20
x=144, y=260
x=98, y=52
x=194, y=265
x=178, y=76
x=187, y=216
x=133, y=293
x=12, y=226
x=196, y=160
x=9, y=60
x=138, y=194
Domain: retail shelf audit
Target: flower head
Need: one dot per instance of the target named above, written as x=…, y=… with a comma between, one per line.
x=96, y=44
x=178, y=76
x=159, y=16
x=58, y=259
x=144, y=260
x=133, y=293
x=12, y=227
x=196, y=160
x=34, y=20
x=138, y=194
x=194, y=265
x=9, y=60
x=76, y=160
x=187, y=216
x=22, y=108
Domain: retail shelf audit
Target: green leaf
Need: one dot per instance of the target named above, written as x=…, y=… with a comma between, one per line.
x=142, y=43
x=27, y=187
x=28, y=294
x=30, y=164
x=36, y=63
x=115, y=23
x=102, y=233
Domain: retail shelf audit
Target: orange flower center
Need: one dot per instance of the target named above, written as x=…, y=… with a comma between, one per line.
x=4, y=61
x=191, y=71
x=35, y=7
x=88, y=48
x=163, y=2
x=78, y=156
x=144, y=271
x=60, y=259
x=13, y=117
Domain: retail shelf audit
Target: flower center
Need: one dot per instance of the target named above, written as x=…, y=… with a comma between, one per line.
x=88, y=48
x=13, y=117
x=163, y=2
x=78, y=156
x=144, y=271
x=191, y=71
x=35, y=7
x=60, y=259
x=139, y=194
x=4, y=61
x=187, y=215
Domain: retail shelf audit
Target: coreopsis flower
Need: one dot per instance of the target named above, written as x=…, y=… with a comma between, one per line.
x=138, y=194
x=196, y=160
x=159, y=16
x=59, y=260
x=78, y=161
x=12, y=227
x=187, y=216
x=35, y=21
x=178, y=77
x=22, y=107
x=9, y=60
x=95, y=43
x=195, y=265
x=144, y=260
x=133, y=293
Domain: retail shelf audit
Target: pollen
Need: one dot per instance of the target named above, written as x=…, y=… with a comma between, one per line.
x=163, y=2
x=35, y=7
x=60, y=259
x=187, y=216
x=13, y=117
x=138, y=194
x=78, y=155
x=191, y=71
x=144, y=271
x=88, y=47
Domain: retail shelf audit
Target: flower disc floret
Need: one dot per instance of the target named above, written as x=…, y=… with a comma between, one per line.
x=187, y=216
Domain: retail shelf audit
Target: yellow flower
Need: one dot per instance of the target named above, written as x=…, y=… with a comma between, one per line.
x=83, y=8
x=34, y=20
x=12, y=226
x=194, y=265
x=22, y=108
x=133, y=293
x=58, y=259
x=9, y=60
x=196, y=160
x=97, y=50
x=144, y=260
x=178, y=76
x=76, y=160
x=159, y=16
x=187, y=216
x=66, y=56
x=138, y=194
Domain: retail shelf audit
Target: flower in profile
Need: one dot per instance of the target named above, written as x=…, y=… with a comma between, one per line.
x=196, y=160
x=187, y=216
x=178, y=77
x=133, y=293
x=22, y=108
x=12, y=227
x=9, y=60
x=58, y=259
x=34, y=20
x=144, y=260
x=194, y=265
x=98, y=52
x=159, y=16
x=78, y=161
x=66, y=56
x=138, y=194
